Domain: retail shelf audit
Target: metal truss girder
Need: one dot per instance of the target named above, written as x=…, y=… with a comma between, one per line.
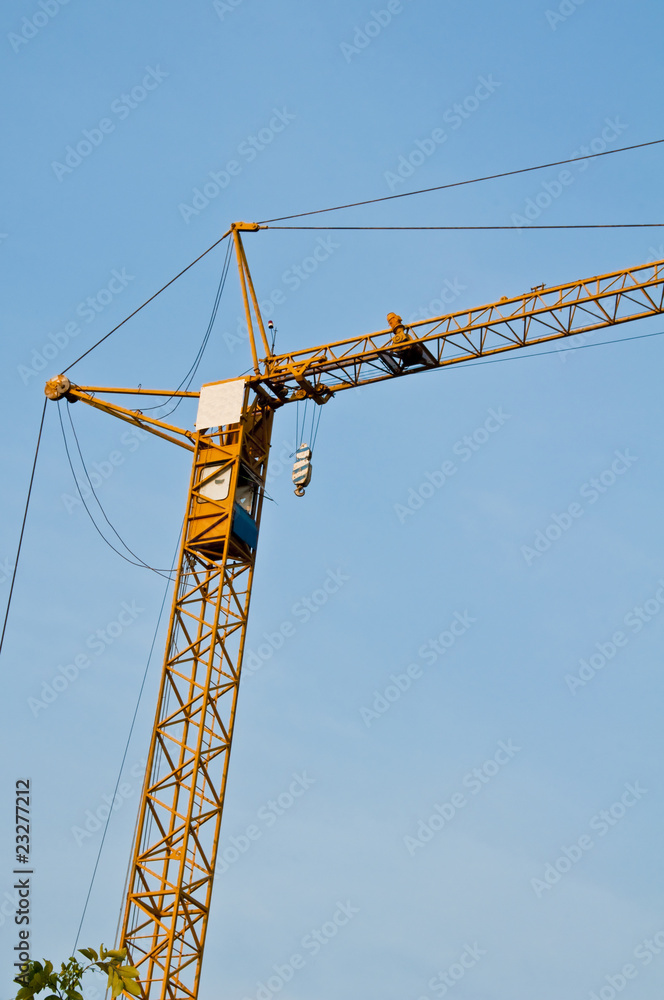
x=174, y=857
x=535, y=318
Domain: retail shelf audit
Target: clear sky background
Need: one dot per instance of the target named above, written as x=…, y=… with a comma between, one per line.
x=551, y=80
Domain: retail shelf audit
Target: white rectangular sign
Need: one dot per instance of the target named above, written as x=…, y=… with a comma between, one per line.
x=220, y=404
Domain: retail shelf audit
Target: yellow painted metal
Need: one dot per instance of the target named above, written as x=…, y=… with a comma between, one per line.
x=539, y=316
x=61, y=388
x=171, y=393
x=167, y=907
x=247, y=286
x=245, y=275
x=135, y=417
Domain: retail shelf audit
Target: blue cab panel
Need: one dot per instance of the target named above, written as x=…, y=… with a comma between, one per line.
x=244, y=527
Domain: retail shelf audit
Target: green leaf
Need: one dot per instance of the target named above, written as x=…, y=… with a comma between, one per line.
x=133, y=988
x=115, y=983
x=89, y=953
x=129, y=970
x=118, y=954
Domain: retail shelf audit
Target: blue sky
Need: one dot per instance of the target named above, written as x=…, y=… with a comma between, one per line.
x=360, y=704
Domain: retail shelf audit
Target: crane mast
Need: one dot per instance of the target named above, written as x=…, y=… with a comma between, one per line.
x=166, y=913
x=168, y=901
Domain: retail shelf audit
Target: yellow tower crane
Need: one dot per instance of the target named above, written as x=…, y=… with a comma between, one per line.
x=168, y=900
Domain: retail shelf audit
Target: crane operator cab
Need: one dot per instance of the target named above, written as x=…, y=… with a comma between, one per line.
x=208, y=524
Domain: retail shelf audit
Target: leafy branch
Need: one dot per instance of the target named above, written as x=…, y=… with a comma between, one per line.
x=66, y=984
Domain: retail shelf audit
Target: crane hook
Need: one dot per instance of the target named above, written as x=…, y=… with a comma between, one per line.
x=302, y=469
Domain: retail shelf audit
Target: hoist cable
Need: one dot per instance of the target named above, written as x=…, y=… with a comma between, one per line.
x=99, y=504
x=562, y=350
x=21, y=533
x=372, y=201
x=595, y=225
x=215, y=309
x=313, y=443
x=304, y=421
x=126, y=751
x=472, y=180
x=147, y=301
x=140, y=563
x=201, y=350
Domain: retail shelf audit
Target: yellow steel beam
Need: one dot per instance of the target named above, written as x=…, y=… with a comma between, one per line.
x=171, y=393
x=167, y=907
x=60, y=387
x=539, y=316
